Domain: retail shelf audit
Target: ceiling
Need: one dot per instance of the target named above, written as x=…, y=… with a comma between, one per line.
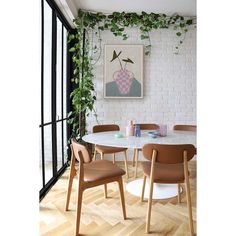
x=169, y=7
x=183, y=7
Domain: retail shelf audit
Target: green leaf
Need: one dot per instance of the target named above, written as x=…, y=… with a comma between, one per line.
x=144, y=37
x=189, y=22
x=70, y=113
x=178, y=34
x=72, y=50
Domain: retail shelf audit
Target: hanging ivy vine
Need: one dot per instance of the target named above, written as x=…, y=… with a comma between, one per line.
x=84, y=50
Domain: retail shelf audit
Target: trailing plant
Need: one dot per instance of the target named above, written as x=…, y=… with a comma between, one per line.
x=83, y=96
x=86, y=52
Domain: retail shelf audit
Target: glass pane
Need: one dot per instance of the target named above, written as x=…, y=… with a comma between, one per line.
x=47, y=62
x=59, y=146
x=65, y=139
x=59, y=69
x=48, y=152
x=64, y=71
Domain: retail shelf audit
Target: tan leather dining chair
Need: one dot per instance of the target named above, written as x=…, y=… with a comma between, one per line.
x=91, y=174
x=136, y=151
x=167, y=164
x=185, y=127
x=109, y=150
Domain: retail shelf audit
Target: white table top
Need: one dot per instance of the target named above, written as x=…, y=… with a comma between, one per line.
x=109, y=139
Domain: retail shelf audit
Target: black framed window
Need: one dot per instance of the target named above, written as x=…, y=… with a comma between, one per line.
x=55, y=74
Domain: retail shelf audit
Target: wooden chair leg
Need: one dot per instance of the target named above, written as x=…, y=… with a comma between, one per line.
x=122, y=198
x=126, y=165
x=95, y=155
x=114, y=158
x=143, y=188
x=154, y=155
x=189, y=203
x=105, y=190
x=136, y=163
x=105, y=186
x=149, y=207
x=188, y=194
x=78, y=210
x=133, y=161
x=179, y=194
x=70, y=181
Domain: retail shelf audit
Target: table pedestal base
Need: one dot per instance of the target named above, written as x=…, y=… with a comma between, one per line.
x=160, y=191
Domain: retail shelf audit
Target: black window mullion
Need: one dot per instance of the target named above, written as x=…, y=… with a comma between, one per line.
x=62, y=90
x=54, y=63
x=42, y=100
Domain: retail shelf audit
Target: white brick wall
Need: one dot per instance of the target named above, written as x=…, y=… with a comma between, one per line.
x=169, y=83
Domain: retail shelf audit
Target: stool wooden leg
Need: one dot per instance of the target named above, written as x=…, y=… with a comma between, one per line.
x=114, y=158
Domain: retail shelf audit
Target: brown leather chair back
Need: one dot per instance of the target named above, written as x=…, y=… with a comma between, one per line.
x=104, y=128
x=80, y=152
x=148, y=126
x=186, y=127
x=169, y=154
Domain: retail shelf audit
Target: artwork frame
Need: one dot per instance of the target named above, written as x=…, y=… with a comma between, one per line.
x=123, y=71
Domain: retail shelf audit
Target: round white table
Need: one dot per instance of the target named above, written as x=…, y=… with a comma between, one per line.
x=160, y=191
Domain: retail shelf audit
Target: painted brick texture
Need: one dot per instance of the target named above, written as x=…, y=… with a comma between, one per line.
x=169, y=83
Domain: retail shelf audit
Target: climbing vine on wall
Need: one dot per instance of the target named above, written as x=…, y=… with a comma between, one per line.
x=86, y=51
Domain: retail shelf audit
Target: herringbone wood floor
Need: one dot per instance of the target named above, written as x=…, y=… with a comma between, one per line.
x=103, y=216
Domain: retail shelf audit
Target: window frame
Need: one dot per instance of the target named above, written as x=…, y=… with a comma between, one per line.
x=56, y=13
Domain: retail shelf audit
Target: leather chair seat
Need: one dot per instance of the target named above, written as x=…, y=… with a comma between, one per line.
x=165, y=173
x=107, y=150
x=100, y=170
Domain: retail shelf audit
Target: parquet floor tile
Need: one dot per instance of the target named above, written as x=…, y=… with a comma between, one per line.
x=103, y=216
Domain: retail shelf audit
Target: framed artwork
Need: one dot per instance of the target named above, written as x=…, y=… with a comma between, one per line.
x=123, y=71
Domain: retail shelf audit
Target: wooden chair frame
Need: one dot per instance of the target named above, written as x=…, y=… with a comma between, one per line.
x=185, y=127
x=82, y=185
x=150, y=126
x=109, y=127
x=187, y=186
x=114, y=159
